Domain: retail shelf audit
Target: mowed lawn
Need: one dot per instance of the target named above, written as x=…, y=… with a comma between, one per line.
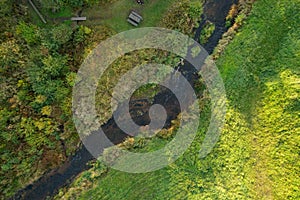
x=115, y=15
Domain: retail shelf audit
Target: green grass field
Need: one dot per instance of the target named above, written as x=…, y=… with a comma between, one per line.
x=257, y=156
x=115, y=15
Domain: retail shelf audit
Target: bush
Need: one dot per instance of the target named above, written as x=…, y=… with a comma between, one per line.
x=206, y=32
x=29, y=32
x=61, y=34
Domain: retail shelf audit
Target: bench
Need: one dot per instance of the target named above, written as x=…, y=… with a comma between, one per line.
x=134, y=18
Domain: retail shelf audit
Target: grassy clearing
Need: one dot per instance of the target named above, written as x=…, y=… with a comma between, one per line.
x=63, y=12
x=115, y=15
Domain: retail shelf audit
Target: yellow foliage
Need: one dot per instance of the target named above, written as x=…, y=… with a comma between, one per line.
x=46, y=110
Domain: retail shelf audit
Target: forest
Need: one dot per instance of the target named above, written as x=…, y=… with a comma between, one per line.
x=258, y=153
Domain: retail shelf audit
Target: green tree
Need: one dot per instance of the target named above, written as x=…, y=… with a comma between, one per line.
x=45, y=77
x=29, y=32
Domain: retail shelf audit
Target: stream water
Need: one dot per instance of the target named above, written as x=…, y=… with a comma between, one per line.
x=48, y=185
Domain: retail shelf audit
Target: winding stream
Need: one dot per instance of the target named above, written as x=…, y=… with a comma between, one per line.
x=48, y=185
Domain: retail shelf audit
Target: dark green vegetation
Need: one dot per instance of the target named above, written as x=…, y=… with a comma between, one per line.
x=257, y=156
x=37, y=69
x=208, y=29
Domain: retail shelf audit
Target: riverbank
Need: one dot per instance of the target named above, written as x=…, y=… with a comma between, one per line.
x=257, y=155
